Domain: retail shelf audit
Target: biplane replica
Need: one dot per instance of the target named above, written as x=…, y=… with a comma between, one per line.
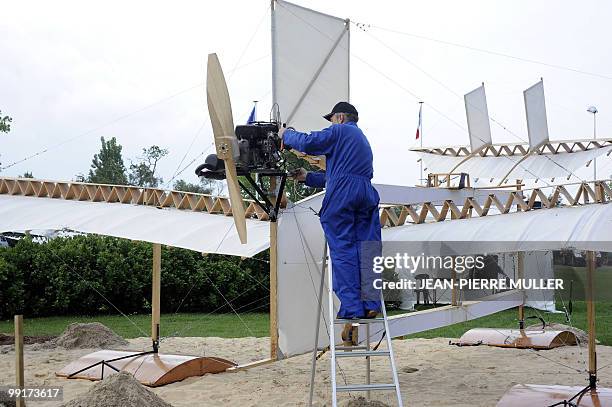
x=504, y=216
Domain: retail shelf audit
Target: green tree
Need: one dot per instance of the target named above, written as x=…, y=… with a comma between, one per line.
x=206, y=186
x=107, y=166
x=27, y=174
x=297, y=191
x=143, y=172
x=184, y=186
x=5, y=123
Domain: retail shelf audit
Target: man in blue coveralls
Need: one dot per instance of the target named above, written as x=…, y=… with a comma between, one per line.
x=349, y=213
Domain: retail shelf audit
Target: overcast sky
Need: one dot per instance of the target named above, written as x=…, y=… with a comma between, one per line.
x=71, y=72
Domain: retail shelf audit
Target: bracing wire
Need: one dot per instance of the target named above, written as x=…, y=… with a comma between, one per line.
x=493, y=119
x=414, y=95
x=228, y=303
x=99, y=293
x=119, y=119
x=185, y=155
x=231, y=73
x=486, y=51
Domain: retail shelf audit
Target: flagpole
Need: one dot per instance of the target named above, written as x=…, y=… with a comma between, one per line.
x=255, y=107
x=421, y=136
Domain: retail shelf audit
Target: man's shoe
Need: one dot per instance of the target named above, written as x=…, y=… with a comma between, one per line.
x=350, y=335
x=371, y=314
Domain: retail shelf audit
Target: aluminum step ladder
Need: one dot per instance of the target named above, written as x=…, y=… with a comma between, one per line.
x=350, y=351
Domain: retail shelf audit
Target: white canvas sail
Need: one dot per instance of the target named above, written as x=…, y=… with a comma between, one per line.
x=535, y=110
x=477, y=115
x=310, y=64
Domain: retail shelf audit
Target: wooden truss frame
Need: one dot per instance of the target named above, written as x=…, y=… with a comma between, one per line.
x=519, y=149
x=81, y=191
x=516, y=201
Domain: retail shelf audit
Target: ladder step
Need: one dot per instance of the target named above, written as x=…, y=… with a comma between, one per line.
x=344, y=348
x=359, y=321
x=365, y=387
x=363, y=354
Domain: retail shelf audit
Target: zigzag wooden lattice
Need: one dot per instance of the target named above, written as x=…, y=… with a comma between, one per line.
x=517, y=201
x=496, y=150
x=79, y=191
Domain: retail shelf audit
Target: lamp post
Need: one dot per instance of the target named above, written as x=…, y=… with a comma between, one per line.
x=593, y=109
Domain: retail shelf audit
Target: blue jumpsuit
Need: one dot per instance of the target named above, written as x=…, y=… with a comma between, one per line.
x=349, y=212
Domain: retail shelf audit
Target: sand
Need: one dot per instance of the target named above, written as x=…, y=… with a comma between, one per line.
x=87, y=336
x=118, y=390
x=431, y=373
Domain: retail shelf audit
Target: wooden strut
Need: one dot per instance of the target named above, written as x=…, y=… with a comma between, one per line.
x=521, y=274
x=531, y=152
x=19, y=366
x=273, y=291
x=156, y=296
x=274, y=272
x=511, y=149
x=590, y=296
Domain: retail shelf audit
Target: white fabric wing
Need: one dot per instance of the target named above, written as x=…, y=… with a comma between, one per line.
x=535, y=109
x=199, y=231
x=477, y=115
x=541, y=166
x=310, y=64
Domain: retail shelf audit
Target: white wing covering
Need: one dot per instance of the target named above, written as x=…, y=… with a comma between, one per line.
x=203, y=232
x=543, y=166
x=535, y=109
x=477, y=114
x=577, y=227
x=300, y=252
x=310, y=64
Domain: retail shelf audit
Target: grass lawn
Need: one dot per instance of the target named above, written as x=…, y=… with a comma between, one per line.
x=508, y=319
x=256, y=324
x=222, y=325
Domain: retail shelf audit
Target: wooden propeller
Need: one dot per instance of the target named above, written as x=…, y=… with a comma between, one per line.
x=220, y=110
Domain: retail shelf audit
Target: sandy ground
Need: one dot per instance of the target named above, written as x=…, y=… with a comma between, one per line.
x=446, y=376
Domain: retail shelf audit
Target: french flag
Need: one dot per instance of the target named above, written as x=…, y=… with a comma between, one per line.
x=418, y=130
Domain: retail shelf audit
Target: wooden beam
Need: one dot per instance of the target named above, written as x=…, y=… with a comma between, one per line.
x=19, y=369
x=454, y=291
x=250, y=365
x=156, y=294
x=273, y=291
x=520, y=269
x=590, y=297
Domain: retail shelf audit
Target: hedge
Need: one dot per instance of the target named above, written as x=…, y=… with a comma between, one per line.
x=84, y=275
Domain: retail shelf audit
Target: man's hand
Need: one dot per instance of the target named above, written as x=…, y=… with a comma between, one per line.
x=299, y=175
x=281, y=131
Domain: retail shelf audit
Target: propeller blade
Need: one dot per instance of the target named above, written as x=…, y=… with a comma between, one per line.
x=220, y=110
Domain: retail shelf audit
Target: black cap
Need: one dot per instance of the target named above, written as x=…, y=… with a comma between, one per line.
x=341, y=107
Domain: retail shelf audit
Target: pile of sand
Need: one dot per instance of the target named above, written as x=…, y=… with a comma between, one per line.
x=362, y=402
x=5, y=401
x=119, y=389
x=91, y=335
